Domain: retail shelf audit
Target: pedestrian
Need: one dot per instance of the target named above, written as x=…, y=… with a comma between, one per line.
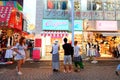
x=20, y=57
x=77, y=57
x=55, y=56
x=117, y=70
x=9, y=54
x=67, y=56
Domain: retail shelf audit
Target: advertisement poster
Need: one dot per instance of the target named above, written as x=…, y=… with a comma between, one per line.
x=38, y=42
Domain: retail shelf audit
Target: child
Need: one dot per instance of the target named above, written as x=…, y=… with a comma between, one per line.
x=77, y=58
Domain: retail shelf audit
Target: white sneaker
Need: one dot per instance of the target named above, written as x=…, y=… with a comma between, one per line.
x=65, y=71
x=19, y=73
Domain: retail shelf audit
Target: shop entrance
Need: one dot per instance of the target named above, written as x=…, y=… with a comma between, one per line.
x=108, y=43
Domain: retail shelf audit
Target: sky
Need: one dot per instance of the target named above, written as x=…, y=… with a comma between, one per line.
x=29, y=10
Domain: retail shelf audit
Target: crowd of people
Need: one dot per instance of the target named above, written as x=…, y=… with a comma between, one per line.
x=71, y=54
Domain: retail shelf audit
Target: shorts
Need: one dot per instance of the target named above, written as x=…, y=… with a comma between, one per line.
x=67, y=59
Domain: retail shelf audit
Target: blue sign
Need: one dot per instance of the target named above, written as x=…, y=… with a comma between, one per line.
x=55, y=24
x=78, y=25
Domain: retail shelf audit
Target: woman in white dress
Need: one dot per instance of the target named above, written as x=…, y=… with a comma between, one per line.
x=9, y=54
x=20, y=50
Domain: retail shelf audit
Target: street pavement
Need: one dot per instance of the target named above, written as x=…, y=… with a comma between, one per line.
x=103, y=70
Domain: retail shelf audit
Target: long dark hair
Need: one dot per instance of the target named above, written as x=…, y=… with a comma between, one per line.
x=21, y=40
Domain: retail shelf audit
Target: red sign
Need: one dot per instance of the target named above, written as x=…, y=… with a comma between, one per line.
x=38, y=42
x=15, y=20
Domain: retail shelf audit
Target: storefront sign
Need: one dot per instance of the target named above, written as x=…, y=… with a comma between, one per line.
x=5, y=13
x=97, y=15
x=38, y=42
x=86, y=15
x=106, y=25
x=55, y=25
x=57, y=14
x=78, y=25
x=109, y=15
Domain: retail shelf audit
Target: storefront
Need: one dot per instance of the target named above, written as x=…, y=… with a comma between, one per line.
x=106, y=34
x=10, y=28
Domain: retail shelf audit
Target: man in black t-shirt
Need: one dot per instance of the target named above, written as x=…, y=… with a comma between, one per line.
x=67, y=55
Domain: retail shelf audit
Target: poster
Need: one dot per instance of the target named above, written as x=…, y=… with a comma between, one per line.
x=38, y=42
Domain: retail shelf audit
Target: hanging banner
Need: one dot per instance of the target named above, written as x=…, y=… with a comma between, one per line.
x=5, y=13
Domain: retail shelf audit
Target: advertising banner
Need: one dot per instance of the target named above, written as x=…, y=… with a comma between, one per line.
x=55, y=24
x=106, y=25
x=5, y=13
x=78, y=25
x=56, y=14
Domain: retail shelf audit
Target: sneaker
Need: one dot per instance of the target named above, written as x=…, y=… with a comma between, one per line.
x=65, y=71
x=116, y=73
x=19, y=73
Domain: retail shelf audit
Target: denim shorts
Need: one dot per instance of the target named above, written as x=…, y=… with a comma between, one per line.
x=67, y=59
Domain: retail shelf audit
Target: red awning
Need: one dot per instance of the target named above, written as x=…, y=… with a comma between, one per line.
x=5, y=12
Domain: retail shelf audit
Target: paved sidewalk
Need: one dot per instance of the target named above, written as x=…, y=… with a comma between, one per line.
x=104, y=70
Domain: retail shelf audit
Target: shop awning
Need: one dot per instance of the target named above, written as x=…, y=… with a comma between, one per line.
x=55, y=34
x=5, y=12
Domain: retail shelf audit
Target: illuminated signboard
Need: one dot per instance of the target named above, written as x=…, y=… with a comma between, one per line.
x=106, y=25
x=55, y=24
x=78, y=25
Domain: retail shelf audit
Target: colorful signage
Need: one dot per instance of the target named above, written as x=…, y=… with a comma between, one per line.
x=55, y=25
x=109, y=15
x=5, y=12
x=106, y=25
x=78, y=25
x=8, y=3
x=57, y=14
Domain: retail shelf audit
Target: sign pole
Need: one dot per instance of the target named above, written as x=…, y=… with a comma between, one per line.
x=72, y=19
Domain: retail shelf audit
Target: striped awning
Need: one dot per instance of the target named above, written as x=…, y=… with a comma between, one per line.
x=5, y=12
x=54, y=34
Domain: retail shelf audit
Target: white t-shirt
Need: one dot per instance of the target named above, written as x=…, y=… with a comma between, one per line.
x=76, y=51
x=55, y=48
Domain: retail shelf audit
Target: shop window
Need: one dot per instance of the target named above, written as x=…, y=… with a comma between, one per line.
x=96, y=5
x=57, y=4
x=89, y=5
x=77, y=5
x=109, y=5
x=117, y=4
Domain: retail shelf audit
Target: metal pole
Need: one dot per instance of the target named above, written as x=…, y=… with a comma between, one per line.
x=72, y=20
